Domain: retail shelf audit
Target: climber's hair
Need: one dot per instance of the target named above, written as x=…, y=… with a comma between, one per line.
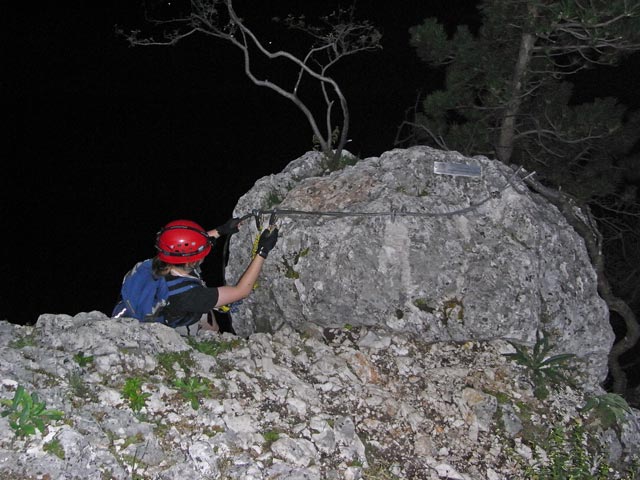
x=162, y=269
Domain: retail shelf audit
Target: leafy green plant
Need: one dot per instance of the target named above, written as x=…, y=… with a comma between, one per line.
x=501, y=397
x=133, y=394
x=273, y=199
x=26, y=413
x=134, y=464
x=26, y=341
x=345, y=161
x=380, y=472
x=167, y=360
x=192, y=389
x=335, y=134
x=81, y=360
x=132, y=440
x=333, y=164
x=571, y=455
x=449, y=307
x=289, y=272
x=270, y=436
x=379, y=466
x=609, y=408
x=423, y=304
x=78, y=386
x=543, y=370
x=54, y=447
x=332, y=161
x=213, y=347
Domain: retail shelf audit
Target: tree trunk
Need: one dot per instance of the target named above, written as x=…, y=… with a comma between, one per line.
x=504, y=148
x=591, y=237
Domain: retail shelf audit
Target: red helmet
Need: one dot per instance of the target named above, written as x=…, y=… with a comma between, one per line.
x=182, y=241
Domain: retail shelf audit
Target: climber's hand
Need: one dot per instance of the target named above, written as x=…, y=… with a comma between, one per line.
x=229, y=227
x=267, y=241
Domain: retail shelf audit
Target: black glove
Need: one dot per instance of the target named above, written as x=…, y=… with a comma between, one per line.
x=229, y=228
x=267, y=241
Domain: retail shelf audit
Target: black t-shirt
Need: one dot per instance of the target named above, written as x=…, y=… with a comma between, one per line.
x=197, y=300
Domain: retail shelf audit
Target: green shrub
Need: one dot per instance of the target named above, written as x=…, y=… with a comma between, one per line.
x=609, y=408
x=79, y=387
x=213, y=347
x=55, y=448
x=168, y=359
x=192, y=389
x=81, y=360
x=270, y=436
x=26, y=413
x=572, y=455
x=273, y=199
x=544, y=371
x=133, y=394
x=26, y=341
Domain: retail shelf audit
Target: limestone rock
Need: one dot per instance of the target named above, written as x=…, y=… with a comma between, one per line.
x=286, y=405
x=372, y=347
x=500, y=270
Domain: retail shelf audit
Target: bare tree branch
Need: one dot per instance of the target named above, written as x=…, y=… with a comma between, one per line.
x=338, y=37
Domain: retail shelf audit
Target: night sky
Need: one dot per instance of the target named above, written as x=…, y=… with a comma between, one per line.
x=106, y=143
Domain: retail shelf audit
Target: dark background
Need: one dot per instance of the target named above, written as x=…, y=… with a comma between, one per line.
x=105, y=143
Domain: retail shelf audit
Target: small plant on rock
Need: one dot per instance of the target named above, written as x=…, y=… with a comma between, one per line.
x=380, y=472
x=570, y=454
x=270, y=436
x=610, y=409
x=543, y=370
x=79, y=388
x=82, y=360
x=26, y=413
x=183, y=359
x=213, y=347
x=273, y=199
x=26, y=341
x=192, y=389
x=133, y=394
x=54, y=447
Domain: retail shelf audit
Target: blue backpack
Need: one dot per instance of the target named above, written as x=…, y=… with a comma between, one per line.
x=143, y=295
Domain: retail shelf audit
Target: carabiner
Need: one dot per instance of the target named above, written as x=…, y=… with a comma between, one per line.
x=256, y=216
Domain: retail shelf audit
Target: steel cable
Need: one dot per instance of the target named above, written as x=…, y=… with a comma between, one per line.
x=391, y=213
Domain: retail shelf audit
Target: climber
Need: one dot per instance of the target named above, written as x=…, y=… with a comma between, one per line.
x=168, y=288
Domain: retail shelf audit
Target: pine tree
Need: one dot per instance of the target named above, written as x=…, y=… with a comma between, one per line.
x=507, y=94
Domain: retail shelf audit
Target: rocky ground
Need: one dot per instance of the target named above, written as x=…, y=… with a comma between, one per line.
x=320, y=403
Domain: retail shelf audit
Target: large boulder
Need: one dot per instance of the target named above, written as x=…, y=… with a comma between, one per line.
x=440, y=256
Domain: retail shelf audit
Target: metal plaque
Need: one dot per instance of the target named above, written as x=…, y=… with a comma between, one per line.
x=457, y=169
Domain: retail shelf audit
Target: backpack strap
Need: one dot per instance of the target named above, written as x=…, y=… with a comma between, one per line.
x=182, y=284
x=177, y=286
